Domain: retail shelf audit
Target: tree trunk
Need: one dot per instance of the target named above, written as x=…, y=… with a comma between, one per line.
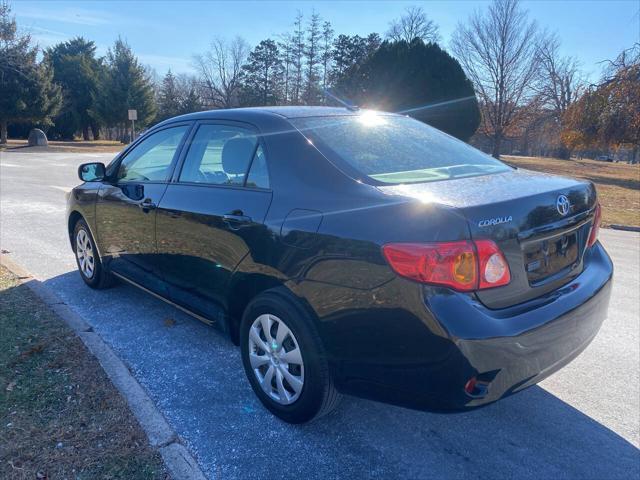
x=3, y=131
x=96, y=131
x=85, y=132
x=497, y=144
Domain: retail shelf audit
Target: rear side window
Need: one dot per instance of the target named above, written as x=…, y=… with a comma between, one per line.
x=150, y=160
x=258, y=174
x=219, y=155
x=395, y=149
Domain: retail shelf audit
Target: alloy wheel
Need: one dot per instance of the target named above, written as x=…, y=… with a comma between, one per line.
x=84, y=253
x=276, y=360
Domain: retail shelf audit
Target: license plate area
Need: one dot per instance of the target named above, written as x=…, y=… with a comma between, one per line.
x=549, y=256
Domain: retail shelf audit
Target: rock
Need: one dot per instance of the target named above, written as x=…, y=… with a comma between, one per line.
x=37, y=138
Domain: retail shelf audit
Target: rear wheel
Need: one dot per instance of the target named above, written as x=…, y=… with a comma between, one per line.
x=284, y=359
x=87, y=258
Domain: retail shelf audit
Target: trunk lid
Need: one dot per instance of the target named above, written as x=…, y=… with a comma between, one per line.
x=540, y=222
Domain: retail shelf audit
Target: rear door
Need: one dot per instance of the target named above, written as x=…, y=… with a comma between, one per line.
x=212, y=214
x=126, y=206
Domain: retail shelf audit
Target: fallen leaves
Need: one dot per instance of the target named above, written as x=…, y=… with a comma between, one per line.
x=169, y=322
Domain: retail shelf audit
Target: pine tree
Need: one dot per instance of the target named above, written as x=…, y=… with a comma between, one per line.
x=75, y=69
x=349, y=51
x=190, y=99
x=421, y=80
x=125, y=85
x=312, y=58
x=27, y=89
x=262, y=77
x=297, y=53
x=169, y=101
x=326, y=54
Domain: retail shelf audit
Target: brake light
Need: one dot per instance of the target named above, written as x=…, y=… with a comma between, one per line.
x=464, y=265
x=595, y=228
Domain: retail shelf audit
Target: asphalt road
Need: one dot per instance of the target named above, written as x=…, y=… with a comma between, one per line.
x=583, y=422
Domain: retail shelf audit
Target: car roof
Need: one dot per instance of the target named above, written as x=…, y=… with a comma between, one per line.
x=266, y=113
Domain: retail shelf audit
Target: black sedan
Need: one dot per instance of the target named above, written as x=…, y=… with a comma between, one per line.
x=351, y=251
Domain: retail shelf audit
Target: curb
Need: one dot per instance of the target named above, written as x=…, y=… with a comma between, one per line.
x=626, y=228
x=180, y=463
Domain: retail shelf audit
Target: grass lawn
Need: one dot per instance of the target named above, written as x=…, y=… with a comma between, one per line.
x=78, y=146
x=618, y=184
x=60, y=416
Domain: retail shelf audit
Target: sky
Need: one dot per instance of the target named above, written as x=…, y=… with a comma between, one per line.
x=167, y=34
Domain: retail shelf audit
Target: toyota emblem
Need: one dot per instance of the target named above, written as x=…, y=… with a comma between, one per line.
x=563, y=205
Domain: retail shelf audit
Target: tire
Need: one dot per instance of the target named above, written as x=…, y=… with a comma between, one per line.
x=86, y=253
x=282, y=395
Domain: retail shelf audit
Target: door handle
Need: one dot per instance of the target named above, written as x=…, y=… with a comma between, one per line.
x=147, y=205
x=236, y=218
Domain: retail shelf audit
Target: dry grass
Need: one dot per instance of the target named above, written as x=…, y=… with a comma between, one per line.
x=78, y=146
x=618, y=184
x=60, y=417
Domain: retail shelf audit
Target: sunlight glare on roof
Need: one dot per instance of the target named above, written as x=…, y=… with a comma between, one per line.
x=370, y=118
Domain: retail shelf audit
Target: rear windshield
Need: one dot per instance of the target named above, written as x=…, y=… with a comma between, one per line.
x=395, y=149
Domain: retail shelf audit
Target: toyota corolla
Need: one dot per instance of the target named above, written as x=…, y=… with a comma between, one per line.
x=351, y=252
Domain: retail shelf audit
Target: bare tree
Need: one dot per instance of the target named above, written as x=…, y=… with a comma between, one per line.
x=561, y=82
x=220, y=71
x=498, y=49
x=413, y=24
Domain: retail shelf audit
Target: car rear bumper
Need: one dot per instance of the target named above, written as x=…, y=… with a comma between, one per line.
x=504, y=350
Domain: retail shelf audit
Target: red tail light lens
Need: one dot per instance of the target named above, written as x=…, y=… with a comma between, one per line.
x=595, y=228
x=464, y=266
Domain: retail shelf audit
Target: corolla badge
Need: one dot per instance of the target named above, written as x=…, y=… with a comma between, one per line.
x=489, y=222
x=563, y=205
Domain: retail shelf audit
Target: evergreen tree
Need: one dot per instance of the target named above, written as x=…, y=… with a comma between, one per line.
x=169, y=101
x=263, y=75
x=124, y=85
x=351, y=50
x=421, y=80
x=28, y=93
x=312, y=59
x=190, y=99
x=326, y=54
x=286, y=50
x=76, y=70
x=297, y=55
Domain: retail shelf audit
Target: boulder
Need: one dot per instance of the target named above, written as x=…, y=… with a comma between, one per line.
x=37, y=138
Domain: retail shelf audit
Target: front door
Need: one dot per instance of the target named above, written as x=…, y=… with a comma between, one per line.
x=126, y=207
x=212, y=216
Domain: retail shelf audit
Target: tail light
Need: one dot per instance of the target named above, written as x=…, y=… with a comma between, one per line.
x=464, y=265
x=595, y=228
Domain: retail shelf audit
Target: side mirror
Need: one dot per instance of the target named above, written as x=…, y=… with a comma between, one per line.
x=91, y=172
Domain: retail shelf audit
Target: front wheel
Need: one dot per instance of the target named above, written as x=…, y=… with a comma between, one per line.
x=87, y=258
x=284, y=359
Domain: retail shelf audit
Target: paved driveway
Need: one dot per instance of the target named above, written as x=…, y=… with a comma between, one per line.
x=581, y=423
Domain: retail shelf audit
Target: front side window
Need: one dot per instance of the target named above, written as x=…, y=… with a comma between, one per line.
x=395, y=149
x=219, y=155
x=150, y=160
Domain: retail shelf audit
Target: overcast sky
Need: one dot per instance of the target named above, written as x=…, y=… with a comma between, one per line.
x=167, y=34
